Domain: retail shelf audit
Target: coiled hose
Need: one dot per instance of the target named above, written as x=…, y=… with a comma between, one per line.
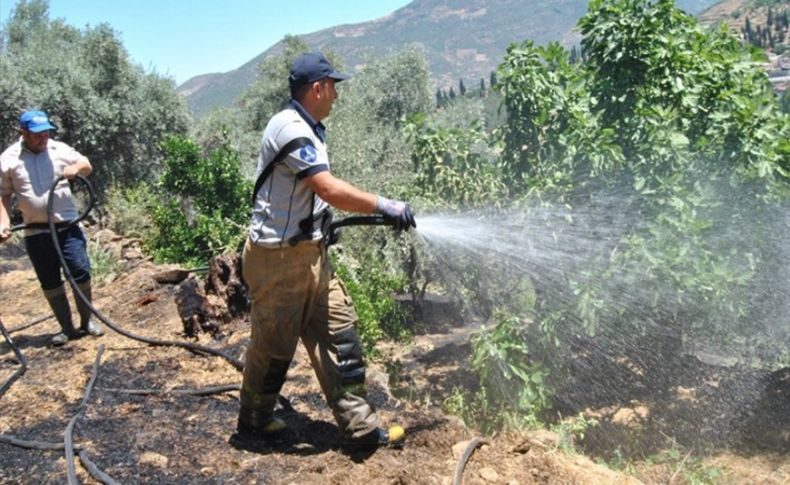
x=114, y=326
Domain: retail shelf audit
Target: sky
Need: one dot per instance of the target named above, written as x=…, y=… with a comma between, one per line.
x=185, y=38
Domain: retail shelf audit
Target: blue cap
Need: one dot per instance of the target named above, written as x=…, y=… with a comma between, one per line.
x=35, y=122
x=311, y=67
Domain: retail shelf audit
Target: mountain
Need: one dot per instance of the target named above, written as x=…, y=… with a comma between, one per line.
x=462, y=39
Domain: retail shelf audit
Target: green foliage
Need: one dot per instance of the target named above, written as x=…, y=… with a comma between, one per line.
x=204, y=204
x=571, y=431
x=103, y=263
x=372, y=285
x=672, y=118
x=453, y=165
x=129, y=210
x=551, y=118
x=106, y=107
x=270, y=92
x=365, y=139
x=691, y=468
x=677, y=123
x=222, y=125
x=512, y=389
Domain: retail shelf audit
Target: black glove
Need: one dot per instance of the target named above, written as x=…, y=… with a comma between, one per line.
x=396, y=212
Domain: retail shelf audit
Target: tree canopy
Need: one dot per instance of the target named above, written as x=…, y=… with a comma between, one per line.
x=105, y=106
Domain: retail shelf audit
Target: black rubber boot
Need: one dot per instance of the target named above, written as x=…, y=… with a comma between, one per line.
x=87, y=325
x=60, y=307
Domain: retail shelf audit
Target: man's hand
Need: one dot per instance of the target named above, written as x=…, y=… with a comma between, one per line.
x=71, y=171
x=5, y=234
x=397, y=212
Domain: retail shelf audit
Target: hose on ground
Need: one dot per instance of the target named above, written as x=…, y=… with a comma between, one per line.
x=470, y=448
x=34, y=445
x=68, y=439
x=203, y=391
x=197, y=348
x=20, y=357
x=94, y=470
x=31, y=323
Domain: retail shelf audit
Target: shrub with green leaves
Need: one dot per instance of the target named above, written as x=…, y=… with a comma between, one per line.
x=681, y=124
x=672, y=131
x=513, y=390
x=129, y=210
x=204, y=203
x=371, y=284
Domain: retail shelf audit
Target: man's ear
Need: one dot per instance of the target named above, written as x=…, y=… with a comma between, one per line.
x=316, y=88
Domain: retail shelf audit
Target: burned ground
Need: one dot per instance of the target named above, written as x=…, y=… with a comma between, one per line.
x=168, y=438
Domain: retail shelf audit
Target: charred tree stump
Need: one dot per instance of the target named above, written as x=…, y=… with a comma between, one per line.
x=204, y=305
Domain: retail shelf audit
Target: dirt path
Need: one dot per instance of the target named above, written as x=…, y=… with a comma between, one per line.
x=182, y=439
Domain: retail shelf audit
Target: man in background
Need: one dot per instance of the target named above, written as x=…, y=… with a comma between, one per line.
x=294, y=290
x=27, y=170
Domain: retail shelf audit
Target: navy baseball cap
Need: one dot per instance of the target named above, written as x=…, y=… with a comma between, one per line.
x=311, y=67
x=35, y=122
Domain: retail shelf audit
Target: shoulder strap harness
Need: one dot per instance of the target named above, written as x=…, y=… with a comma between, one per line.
x=306, y=224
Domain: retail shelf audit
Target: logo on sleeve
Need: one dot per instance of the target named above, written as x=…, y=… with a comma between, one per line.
x=308, y=154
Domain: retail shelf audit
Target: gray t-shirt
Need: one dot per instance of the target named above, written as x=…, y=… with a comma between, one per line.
x=285, y=199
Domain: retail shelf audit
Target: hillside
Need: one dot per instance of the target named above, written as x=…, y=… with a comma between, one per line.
x=736, y=12
x=461, y=39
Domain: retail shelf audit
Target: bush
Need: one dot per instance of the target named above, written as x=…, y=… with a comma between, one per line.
x=372, y=286
x=203, y=207
x=129, y=210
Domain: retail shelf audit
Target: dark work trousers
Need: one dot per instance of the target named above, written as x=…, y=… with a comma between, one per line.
x=45, y=258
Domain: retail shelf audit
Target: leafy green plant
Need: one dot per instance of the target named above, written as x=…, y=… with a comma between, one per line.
x=674, y=119
x=512, y=389
x=103, y=263
x=572, y=430
x=453, y=166
x=204, y=206
x=372, y=286
x=129, y=210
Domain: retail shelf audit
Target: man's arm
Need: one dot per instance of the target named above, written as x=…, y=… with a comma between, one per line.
x=5, y=218
x=82, y=167
x=341, y=194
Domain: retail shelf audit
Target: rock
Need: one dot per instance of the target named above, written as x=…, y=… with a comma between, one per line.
x=153, y=459
x=686, y=393
x=171, y=274
x=631, y=417
x=489, y=474
x=544, y=438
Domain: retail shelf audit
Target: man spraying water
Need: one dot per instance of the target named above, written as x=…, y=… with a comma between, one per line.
x=294, y=290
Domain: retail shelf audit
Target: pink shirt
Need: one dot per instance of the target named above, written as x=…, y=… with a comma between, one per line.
x=30, y=176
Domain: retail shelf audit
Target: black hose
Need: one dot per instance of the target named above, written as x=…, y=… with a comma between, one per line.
x=360, y=221
x=459, y=469
x=21, y=358
x=163, y=343
x=34, y=445
x=65, y=224
x=203, y=391
x=94, y=470
x=68, y=440
x=31, y=323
